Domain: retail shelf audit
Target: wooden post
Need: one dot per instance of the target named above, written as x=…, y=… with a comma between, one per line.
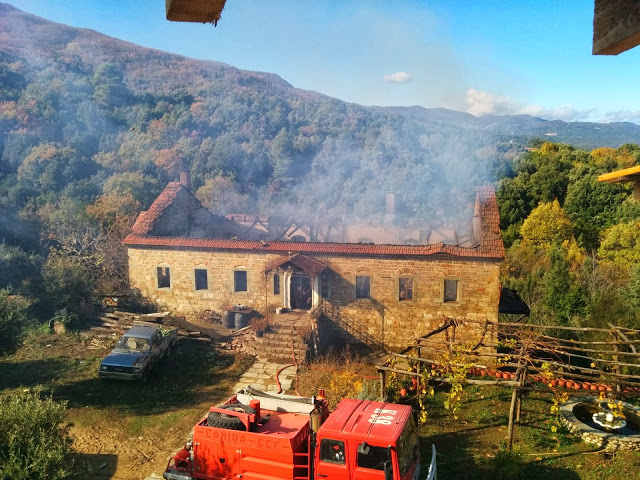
x=616, y=367
x=523, y=379
x=512, y=410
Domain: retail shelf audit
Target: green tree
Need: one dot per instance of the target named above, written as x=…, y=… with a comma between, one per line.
x=19, y=271
x=562, y=295
x=621, y=244
x=547, y=224
x=280, y=154
x=592, y=205
x=144, y=188
x=68, y=283
x=34, y=441
x=12, y=321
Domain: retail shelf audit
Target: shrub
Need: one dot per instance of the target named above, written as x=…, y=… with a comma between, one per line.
x=34, y=443
x=68, y=283
x=12, y=320
x=19, y=271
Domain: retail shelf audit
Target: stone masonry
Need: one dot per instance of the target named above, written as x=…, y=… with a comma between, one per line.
x=390, y=320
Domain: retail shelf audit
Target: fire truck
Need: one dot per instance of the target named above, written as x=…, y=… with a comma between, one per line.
x=260, y=436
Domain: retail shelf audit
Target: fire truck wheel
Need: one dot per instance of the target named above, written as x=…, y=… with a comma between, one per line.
x=221, y=420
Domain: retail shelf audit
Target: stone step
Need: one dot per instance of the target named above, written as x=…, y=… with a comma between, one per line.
x=264, y=349
x=277, y=356
x=278, y=342
x=281, y=333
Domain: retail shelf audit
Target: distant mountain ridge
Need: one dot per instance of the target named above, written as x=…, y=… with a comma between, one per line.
x=580, y=134
x=28, y=37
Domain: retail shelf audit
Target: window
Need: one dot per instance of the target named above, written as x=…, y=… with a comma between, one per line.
x=324, y=285
x=363, y=287
x=451, y=290
x=201, y=279
x=372, y=457
x=276, y=284
x=405, y=288
x=332, y=451
x=164, y=277
x=239, y=280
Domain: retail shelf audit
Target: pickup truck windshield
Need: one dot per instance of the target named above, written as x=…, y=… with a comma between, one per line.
x=133, y=344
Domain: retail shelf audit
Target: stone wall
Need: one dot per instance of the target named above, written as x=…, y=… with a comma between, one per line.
x=393, y=322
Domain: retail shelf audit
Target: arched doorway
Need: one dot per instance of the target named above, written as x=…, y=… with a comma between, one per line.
x=300, y=291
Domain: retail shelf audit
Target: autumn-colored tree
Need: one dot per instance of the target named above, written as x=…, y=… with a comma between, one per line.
x=115, y=214
x=220, y=196
x=546, y=224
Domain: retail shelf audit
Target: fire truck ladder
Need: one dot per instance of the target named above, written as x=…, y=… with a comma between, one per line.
x=301, y=465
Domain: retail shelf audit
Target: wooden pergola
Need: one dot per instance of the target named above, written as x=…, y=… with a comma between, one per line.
x=547, y=358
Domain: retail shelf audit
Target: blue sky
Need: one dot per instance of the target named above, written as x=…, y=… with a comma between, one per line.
x=500, y=57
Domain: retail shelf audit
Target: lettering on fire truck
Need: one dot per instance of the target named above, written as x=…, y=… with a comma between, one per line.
x=382, y=416
x=239, y=438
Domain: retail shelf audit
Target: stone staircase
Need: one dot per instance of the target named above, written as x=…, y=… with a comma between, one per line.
x=282, y=341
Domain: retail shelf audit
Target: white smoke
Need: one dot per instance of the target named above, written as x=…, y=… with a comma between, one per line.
x=398, y=77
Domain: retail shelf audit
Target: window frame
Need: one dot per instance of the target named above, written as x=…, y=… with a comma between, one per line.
x=237, y=271
x=330, y=445
x=195, y=278
x=368, y=295
x=399, y=288
x=159, y=268
x=458, y=290
x=276, y=283
x=360, y=457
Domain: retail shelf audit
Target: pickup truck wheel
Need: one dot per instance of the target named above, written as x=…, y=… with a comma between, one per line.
x=221, y=420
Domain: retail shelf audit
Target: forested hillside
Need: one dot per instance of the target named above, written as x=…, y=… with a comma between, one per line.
x=574, y=242
x=92, y=128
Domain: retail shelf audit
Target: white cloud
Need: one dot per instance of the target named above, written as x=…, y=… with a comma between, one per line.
x=632, y=116
x=398, y=77
x=479, y=102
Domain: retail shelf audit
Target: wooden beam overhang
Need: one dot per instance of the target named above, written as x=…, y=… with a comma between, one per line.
x=616, y=26
x=199, y=11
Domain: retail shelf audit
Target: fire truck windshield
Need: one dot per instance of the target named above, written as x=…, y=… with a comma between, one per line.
x=407, y=446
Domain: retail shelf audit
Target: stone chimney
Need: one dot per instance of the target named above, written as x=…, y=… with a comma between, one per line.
x=390, y=213
x=185, y=179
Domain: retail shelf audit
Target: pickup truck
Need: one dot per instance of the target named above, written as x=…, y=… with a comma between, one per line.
x=137, y=352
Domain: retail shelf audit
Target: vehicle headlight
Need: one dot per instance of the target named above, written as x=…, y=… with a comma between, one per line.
x=103, y=367
x=136, y=368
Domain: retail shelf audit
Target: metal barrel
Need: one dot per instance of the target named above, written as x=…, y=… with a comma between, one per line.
x=229, y=319
x=241, y=320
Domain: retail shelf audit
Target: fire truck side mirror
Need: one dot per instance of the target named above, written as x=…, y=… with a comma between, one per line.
x=364, y=449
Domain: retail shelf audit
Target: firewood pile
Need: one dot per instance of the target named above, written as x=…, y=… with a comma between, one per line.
x=114, y=324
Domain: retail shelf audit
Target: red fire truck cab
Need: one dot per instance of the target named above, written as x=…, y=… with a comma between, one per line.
x=259, y=436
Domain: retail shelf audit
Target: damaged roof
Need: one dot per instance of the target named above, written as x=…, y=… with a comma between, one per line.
x=176, y=219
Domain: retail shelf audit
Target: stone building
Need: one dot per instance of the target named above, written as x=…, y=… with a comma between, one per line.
x=383, y=284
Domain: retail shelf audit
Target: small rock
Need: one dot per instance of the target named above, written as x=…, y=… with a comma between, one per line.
x=102, y=465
